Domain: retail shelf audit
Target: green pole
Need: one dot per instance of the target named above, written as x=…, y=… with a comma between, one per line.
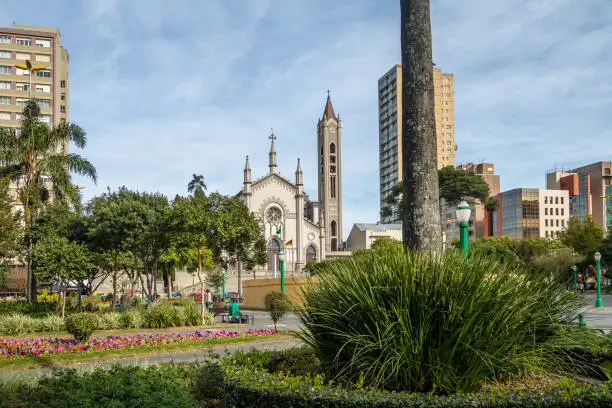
x=599, y=301
x=581, y=320
x=575, y=280
x=463, y=238
x=282, y=272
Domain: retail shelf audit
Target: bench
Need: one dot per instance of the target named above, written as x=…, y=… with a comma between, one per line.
x=244, y=318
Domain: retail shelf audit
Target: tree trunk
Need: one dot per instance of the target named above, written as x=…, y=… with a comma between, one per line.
x=202, y=300
x=113, y=301
x=421, y=222
x=64, y=299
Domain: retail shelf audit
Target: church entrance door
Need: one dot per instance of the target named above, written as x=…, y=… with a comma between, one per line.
x=311, y=254
x=274, y=256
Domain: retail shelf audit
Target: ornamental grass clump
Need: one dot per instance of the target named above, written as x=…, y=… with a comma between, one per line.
x=17, y=324
x=406, y=321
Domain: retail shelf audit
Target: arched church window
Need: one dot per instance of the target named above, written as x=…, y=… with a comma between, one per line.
x=332, y=186
x=334, y=229
x=332, y=169
x=274, y=215
x=332, y=148
x=321, y=150
x=273, y=255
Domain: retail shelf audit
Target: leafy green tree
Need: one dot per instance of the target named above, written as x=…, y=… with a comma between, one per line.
x=421, y=207
x=10, y=232
x=558, y=264
x=502, y=248
x=455, y=185
x=584, y=236
x=606, y=252
x=56, y=257
x=277, y=304
x=33, y=157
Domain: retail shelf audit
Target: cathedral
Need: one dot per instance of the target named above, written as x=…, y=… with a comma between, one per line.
x=305, y=230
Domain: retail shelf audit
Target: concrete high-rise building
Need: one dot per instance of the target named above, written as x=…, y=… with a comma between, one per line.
x=390, y=127
x=600, y=175
x=43, y=47
x=578, y=186
x=531, y=212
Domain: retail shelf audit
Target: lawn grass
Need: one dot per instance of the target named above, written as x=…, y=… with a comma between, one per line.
x=128, y=352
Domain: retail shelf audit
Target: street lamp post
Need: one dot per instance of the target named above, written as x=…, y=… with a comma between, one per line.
x=224, y=259
x=599, y=301
x=282, y=270
x=574, y=271
x=463, y=217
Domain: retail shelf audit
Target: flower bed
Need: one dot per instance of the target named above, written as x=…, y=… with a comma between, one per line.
x=37, y=347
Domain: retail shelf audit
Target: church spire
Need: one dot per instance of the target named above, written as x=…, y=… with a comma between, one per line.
x=247, y=171
x=328, y=112
x=299, y=176
x=272, y=153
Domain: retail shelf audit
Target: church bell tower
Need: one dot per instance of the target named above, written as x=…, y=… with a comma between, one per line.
x=329, y=152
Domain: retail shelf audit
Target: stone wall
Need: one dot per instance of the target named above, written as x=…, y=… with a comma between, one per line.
x=255, y=290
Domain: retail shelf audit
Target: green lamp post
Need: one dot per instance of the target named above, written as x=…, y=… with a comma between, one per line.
x=282, y=269
x=224, y=261
x=463, y=217
x=599, y=301
x=574, y=271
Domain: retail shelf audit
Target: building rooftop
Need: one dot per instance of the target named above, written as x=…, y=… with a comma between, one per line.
x=378, y=227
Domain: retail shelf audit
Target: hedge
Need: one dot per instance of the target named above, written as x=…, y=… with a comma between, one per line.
x=249, y=387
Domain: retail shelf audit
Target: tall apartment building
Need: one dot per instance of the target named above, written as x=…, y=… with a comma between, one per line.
x=43, y=47
x=531, y=212
x=390, y=127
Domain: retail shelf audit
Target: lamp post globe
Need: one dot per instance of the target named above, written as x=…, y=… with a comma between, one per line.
x=599, y=300
x=463, y=212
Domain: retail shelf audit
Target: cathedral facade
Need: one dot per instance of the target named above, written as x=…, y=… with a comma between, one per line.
x=303, y=229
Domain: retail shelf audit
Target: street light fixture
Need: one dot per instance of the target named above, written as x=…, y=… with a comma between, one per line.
x=599, y=300
x=282, y=270
x=30, y=68
x=463, y=211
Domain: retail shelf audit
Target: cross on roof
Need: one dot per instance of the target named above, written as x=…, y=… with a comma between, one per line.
x=272, y=137
x=328, y=92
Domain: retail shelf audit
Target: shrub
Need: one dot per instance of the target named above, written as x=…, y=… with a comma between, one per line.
x=109, y=321
x=296, y=361
x=46, y=297
x=195, y=317
x=25, y=307
x=92, y=302
x=208, y=381
x=81, y=325
x=159, y=317
x=16, y=324
x=208, y=319
x=277, y=304
x=49, y=323
x=119, y=386
x=131, y=319
x=407, y=321
x=178, y=316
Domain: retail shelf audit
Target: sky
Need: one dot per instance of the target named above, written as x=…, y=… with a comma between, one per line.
x=166, y=89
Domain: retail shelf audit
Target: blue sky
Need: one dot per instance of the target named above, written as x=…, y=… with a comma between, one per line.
x=170, y=88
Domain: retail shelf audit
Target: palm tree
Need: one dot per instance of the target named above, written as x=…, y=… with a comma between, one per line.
x=196, y=185
x=34, y=158
x=421, y=217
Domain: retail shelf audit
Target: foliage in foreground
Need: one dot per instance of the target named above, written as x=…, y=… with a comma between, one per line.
x=405, y=321
x=277, y=304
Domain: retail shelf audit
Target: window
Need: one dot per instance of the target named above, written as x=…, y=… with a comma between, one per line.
x=22, y=56
x=334, y=228
x=45, y=118
x=5, y=115
x=5, y=85
x=557, y=222
x=43, y=88
x=563, y=223
x=547, y=234
x=19, y=71
x=43, y=73
x=5, y=54
x=546, y=222
x=43, y=58
x=607, y=171
x=332, y=169
x=24, y=41
x=43, y=43
x=5, y=100
x=44, y=103
x=545, y=199
x=332, y=148
x=6, y=69
x=63, y=97
x=332, y=159
x=20, y=86
x=63, y=109
x=5, y=39
x=546, y=211
x=556, y=211
x=21, y=101
x=556, y=200
x=332, y=188
x=561, y=200
x=562, y=211
x=63, y=85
